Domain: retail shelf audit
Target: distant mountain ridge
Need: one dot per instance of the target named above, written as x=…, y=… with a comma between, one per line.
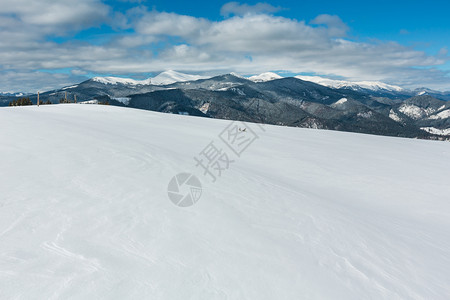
x=374, y=108
x=16, y=94
x=357, y=85
x=170, y=77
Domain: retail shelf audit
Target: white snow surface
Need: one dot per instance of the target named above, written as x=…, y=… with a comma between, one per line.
x=302, y=214
x=355, y=85
x=263, y=77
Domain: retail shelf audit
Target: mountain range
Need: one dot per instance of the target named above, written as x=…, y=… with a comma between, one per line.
x=301, y=101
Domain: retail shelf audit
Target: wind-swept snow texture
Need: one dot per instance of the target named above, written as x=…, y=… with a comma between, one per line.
x=301, y=214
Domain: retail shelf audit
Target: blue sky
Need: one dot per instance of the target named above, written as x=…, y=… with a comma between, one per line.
x=48, y=44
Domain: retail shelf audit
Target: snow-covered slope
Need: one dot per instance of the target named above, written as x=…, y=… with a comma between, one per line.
x=394, y=116
x=267, y=76
x=339, y=102
x=441, y=115
x=301, y=214
x=356, y=85
x=415, y=112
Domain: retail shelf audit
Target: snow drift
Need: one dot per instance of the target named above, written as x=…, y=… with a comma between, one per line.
x=300, y=214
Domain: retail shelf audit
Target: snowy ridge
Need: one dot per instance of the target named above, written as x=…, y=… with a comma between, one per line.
x=169, y=77
x=119, y=80
x=263, y=77
x=164, y=78
x=426, y=91
x=335, y=216
x=238, y=75
x=356, y=85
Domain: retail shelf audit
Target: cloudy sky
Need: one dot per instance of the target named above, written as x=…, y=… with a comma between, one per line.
x=47, y=44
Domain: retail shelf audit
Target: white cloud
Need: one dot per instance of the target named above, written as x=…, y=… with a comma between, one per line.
x=443, y=52
x=161, y=23
x=33, y=81
x=235, y=8
x=248, y=43
x=335, y=25
x=44, y=17
x=404, y=31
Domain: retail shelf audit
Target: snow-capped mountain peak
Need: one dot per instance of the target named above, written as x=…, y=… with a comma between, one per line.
x=166, y=77
x=354, y=85
x=263, y=77
x=120, y=80
x=237, y=75
x=170, y=76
